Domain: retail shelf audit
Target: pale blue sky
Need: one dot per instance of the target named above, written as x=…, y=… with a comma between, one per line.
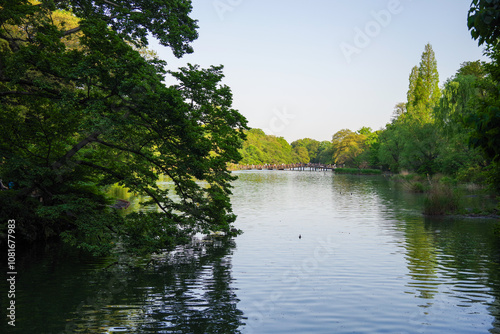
x=308, y=69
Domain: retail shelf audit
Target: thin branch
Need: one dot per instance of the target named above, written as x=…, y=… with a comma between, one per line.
x=28, y=94
x=55, y=93
x=72, y=31
x=111, y=3
x=92, y=138
x=16, y=92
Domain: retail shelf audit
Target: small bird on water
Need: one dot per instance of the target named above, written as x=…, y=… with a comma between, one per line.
x=300, y=236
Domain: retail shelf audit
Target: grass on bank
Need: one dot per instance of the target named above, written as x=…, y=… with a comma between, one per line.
x=358, y=171
x=442, y=199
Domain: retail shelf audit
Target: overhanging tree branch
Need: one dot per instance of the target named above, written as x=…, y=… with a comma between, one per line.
x=93, y=137
x=149, y=159
x=153, y=129
x=121, y=178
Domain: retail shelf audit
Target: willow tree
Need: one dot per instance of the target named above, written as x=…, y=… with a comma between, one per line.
x=459, y=97
x=81, y=109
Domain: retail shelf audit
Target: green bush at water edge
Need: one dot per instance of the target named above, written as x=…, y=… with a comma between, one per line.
x=358, y=171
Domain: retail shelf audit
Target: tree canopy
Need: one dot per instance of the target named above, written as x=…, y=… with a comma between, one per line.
x=484, y=21
x=82, y=109
x=484, y=24
x=260, y=148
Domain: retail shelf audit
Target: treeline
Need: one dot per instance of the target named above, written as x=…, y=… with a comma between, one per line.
x=345, y=148
x=452, y=130
x=260, y=148
x=355, y=149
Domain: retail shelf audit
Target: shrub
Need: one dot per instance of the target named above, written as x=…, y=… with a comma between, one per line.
x=442, y=199
x=448, y=181
x=412, y=182
x=417, y=187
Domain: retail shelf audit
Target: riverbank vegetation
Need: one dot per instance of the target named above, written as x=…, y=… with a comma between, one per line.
x=359, y=171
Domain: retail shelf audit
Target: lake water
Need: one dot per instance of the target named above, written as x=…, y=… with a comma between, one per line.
x=367, y=261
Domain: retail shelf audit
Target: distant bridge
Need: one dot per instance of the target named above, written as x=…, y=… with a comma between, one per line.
x=298, y=166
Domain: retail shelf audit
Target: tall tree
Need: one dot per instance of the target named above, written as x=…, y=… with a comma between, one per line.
x=301, y=154
x=325, y=152
x=414, y=128
x=77, y=117
x=457, y=104
x=426, y=91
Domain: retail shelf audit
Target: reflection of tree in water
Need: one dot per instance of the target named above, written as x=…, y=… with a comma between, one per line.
x=422, y=260
x=451, y=258
x=365, y=185
x=458, y=256
x=471, y=258
x=197, y=296
x=186, y=291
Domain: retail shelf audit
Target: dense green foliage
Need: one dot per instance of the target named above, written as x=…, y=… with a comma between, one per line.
x=260, y=148
x=82, y=109
x=307, y=149
x=484, y=21
x=357, y=149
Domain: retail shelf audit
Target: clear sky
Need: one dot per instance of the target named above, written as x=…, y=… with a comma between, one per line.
x=301, y=69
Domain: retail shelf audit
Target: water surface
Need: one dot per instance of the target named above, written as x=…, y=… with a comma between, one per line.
x=367, y=262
